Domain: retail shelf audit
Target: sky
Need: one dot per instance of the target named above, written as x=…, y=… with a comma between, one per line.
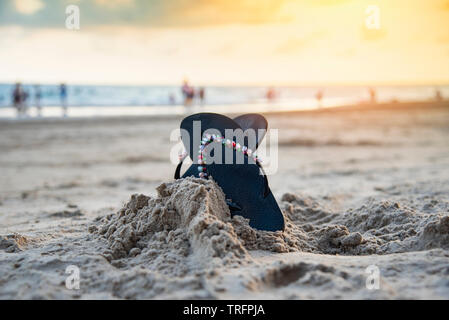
x=226, y=42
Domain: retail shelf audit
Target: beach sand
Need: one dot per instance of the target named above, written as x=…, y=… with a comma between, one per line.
x=363, y=189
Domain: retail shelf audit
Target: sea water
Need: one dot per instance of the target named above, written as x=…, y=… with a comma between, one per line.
x=102, y=100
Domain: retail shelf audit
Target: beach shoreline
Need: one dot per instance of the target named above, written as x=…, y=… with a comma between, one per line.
x=176, y=112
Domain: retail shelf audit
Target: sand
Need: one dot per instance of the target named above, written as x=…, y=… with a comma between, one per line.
x=360, y=190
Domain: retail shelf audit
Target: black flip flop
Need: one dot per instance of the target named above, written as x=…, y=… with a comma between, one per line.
x=246, y=189
x=254, y=121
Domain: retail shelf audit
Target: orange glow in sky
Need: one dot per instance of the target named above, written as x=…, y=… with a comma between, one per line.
x=227, y=42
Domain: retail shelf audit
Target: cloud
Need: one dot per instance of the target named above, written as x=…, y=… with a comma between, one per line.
x=330, y=2
x=226, y=11
x=347, y=53
x=445, y=6
x=28, y=7
x=373, y=34
x=115, y=3
x=171, y=13
x=296, y=44
x=443, y=39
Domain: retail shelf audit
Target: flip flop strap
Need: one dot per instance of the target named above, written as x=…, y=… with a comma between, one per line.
x=178, y=169
x=266, y=191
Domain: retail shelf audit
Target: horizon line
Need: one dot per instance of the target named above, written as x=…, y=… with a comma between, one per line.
x=218, y=84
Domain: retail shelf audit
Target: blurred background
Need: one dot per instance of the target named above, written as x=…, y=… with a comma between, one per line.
x=263, y=55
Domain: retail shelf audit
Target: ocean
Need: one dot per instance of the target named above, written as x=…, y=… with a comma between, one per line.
x=101, y=100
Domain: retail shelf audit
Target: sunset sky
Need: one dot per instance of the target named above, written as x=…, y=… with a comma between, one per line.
x=232, y=42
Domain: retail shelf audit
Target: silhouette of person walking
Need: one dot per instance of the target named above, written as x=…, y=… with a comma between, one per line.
x=37, y=99
x=19, y=97
x=63, y=96
x=372, y=94
x=188, y=93
x=271, y=94
x=438, y=95
x=319, y=97
x=201, y=95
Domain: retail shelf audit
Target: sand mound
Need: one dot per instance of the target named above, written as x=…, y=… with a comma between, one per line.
x=188, y=228
x=377, y=227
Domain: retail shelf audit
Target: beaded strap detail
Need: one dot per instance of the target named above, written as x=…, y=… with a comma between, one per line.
x=208, y=139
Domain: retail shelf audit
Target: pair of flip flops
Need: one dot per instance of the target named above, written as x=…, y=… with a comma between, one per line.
x=243, y=183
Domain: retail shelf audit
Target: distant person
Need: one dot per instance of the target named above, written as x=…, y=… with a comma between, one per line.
x=201, y=95
x=188, y=92
x=171, y=99
x=24, y=102
x=319, y=97
x=37, y=99
x=438, y=96
x=19, y=97
x=191, y=95
x=271, y=94
x=372, y=94
x=63, y=96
